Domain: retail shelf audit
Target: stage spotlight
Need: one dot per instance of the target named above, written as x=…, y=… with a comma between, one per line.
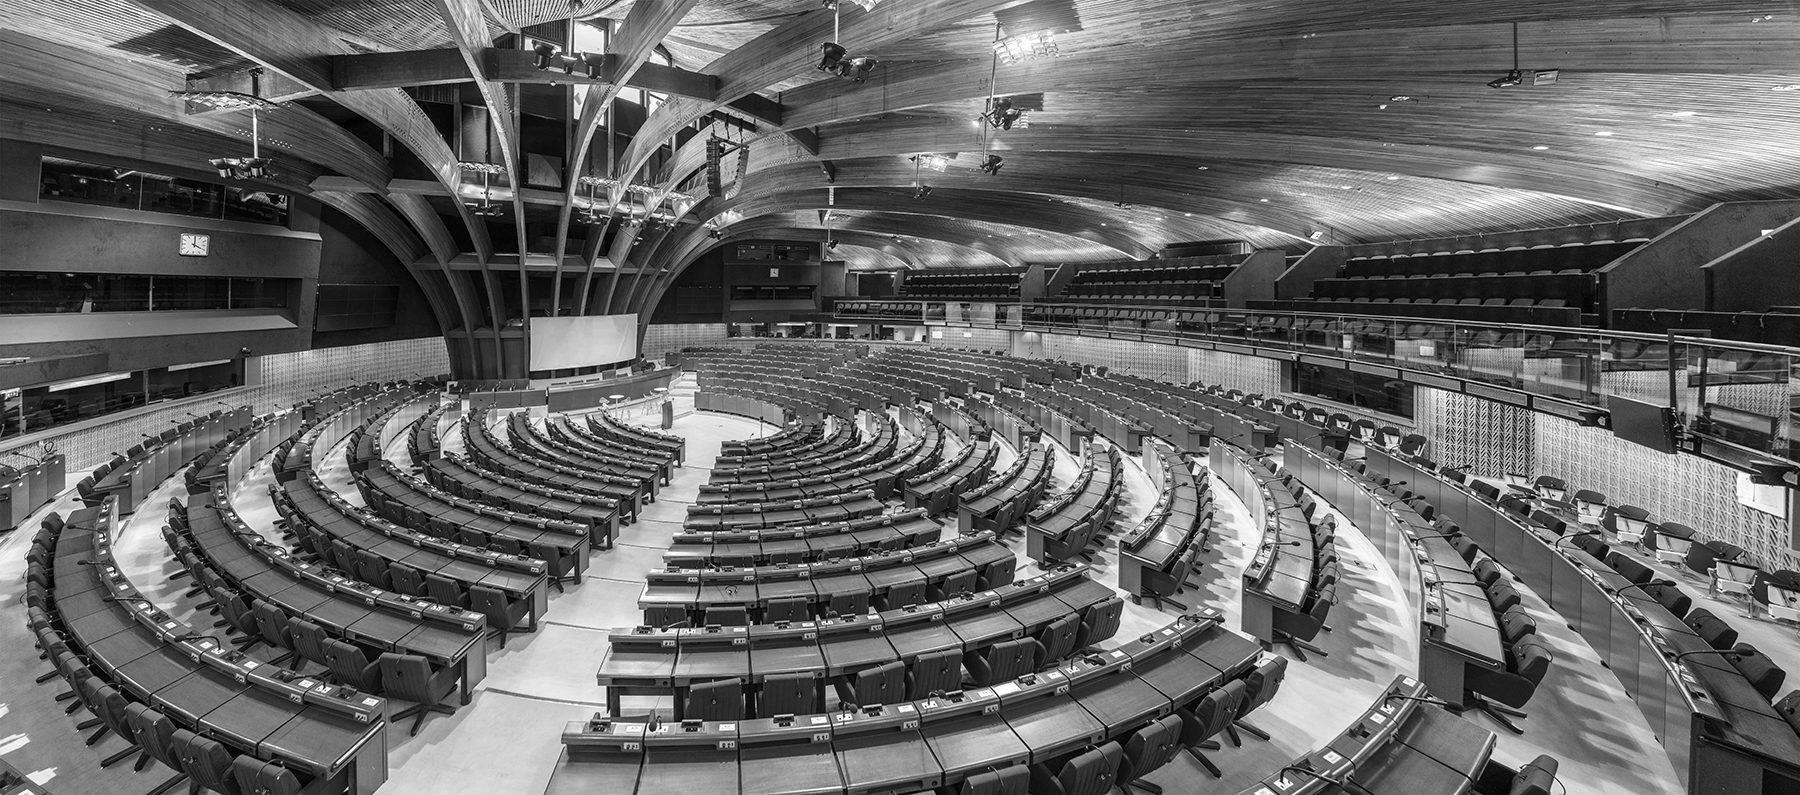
x=1004, y=115
x=831, y=245
x=1512, y=78
x=922, y=191
x=832, y=58
x=592, y=64
x=256, y=167
x=546, y=54
x=859, y=68
x=224, y=166
x=992, y=164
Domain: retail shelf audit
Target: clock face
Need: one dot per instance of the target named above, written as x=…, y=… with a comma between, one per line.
x=193, y=245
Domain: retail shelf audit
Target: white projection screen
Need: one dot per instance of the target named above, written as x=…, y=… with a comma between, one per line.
x=564, y=343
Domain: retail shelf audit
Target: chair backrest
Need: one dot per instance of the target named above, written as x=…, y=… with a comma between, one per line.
x=1015, y=780
x=372, y=569
x=1629, y=568
x=1531, y=658
x=256, y=777
x=501, y=613
x=1789, y=708
x=960, y=582
x=1712, y=628
x=407, y=580
x=208, y=763
x=1515, y=623
x=1151, y=747
x=787, y=694
x=442, y=590
x=1009, y=660
x=884, y=684
x=1671, y=597
x=999, y=573
x=309, y=639
x=1487, y=571
x=905, y=594
x=1261, y=684
x=271, y=623
x=727, y=615
x=349, y=665
x=1058, y=637
x=410, y=677
x=1503, y=596
x=153, y=732
x=1763, y=673
x=1212, y=713
x=936, y=672
x=720, y=700
x=1100, y=622
x=1092, y=772
x=1535, y=778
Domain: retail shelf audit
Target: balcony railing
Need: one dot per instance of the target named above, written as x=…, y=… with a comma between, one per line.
x=1735, y=402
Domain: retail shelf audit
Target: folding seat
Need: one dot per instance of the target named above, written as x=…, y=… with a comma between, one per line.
x=409, y=677
x=502, y=613
x=1209, y=717
x=721, y=700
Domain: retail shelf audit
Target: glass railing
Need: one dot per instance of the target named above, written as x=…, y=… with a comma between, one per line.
x=1735, y=402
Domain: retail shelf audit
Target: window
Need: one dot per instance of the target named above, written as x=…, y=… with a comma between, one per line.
x=32, y=293
x=113, y=186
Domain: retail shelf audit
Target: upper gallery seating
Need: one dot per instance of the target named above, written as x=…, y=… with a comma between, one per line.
x=991, y=283
x=1178, y=281
x=1778, y=326
x=1500, y=281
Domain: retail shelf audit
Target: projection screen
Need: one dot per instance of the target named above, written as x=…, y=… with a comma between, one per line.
x=562, y=343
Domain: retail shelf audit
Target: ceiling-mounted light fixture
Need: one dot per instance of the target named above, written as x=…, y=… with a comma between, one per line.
x=922, y=191
x=1517, y=76
x=835, y=59
x=1003, y=114
x=992, y=164
x=545, y=55
x=255, y=166
x=932, y=161
x=487, y=209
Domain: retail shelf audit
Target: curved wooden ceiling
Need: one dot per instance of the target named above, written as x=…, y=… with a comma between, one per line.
x=1280, y=125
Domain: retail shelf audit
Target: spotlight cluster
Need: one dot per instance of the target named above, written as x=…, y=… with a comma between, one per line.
x=241, y=167
x=836, y=60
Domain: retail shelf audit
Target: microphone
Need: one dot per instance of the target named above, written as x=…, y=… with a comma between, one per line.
x=198, y=636
x=1393, y=483
x=1642, y=585
x=1461, y=468
x=111, y=599
x=1282, y=544
x=1457, y=533
x=117, y=455
x=1421, y=699
x=1733, y=654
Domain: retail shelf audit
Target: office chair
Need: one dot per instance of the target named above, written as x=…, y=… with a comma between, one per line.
x=113, y=705
x=1526, y=663
x=1296, y=630
x=1515, y=624
x=1056, y=641
x=1629, y=568
x=853, y=603
x=1488, y=572
x=1593, y=546
x=1004, y=661
x=372, y=569
x=308, y=640
x=1163, y=586
x=1209, y=716
x=1100, y=622
x=960, y=582
x=904, y=594
x=719, y=700
x=1015, y=780
x=796, y=608
x=1671, y=597
x=883, y=684
x=407, y=580
x=208, y=764
x=256, y=777
x=934, y=672
x=1731, y=577
x=1464, y=546
x=1671, y=542
x=342, y=557
x=87, y=695
x=998, y=574
x=1503, y=596
x=1762, y=672
x=1146, y=750
x=561, y=567
x=350, y=667
x=272, y=628
x=409, y=677
x=234, y=608
x=1552, y=487
x=443, y=590
x=1090, y=773
x=789, y=694
x=1260, y=686
x=1703, y=556
x=1711, y=629
x=1778, y=593
x=155, y=735
x=1590, y=506
x=502, y=614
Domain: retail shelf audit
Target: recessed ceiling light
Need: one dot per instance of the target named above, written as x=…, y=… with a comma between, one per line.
x=1190, y=215
x=1540, y=147
x=1392, y=178
x=1681, y=114
x=1788, y=87
x=1604, y=133
x=1265, y=201
x=1200, y=168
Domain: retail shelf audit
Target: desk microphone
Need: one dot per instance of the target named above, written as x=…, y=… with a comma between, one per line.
x=1641, y=586
x=111, y=599
x=1322, y=777
x=1733, y=654
x=1422, y=699
x=1282, y=544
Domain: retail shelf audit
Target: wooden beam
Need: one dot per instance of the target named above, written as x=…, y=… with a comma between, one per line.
x=275, y=87
x=398, y=69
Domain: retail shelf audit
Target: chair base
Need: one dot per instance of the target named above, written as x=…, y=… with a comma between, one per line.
x=47, y=677
x=1299, y=646
x=1140, y=784
x=1206, y=763
x=120, y=756
x=1255, y=732
x=1497, y=712
x=170, y=784
x=418, y=712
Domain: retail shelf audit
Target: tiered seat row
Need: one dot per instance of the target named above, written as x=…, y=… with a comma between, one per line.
x=886, y=579
x=1156, y=556
x=528, y=441
x=996, y=284
x=815, y=444
x=1000, y=501
x=488, y=454
x=1291, y=583
x=1084, y=726
x=602, y=425
x=802, y=543
x=454, y=474
x=755, y=515
x=878, y=658
x=1186, y=280
x=847, y=450
x=939, y=489
x=1062, y=527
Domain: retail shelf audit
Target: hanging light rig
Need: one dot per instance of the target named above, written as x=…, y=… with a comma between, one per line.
x=486, y=209
x=835, y=59
x=255, y=166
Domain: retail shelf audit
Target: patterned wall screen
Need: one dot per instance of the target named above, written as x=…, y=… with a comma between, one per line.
x=1492, y=438
x=1138, y=358
x=1252, y=374
x=971, y=339
x=1679, y=488
x=287, y=378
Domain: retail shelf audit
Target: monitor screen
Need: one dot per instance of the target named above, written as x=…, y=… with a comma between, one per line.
x=562, y=343
x=1648, y=424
